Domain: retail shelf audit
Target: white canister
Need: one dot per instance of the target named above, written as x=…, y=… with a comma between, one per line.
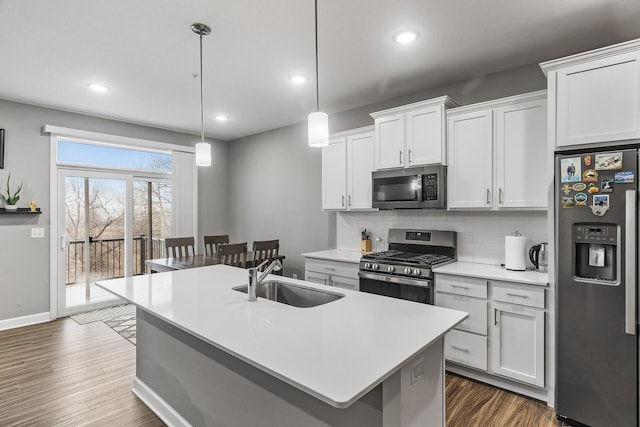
x=514, y=253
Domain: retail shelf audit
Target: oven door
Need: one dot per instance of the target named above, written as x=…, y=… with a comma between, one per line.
x=418, y=290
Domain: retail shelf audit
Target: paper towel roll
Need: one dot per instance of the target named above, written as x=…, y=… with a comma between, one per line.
x=514, y=253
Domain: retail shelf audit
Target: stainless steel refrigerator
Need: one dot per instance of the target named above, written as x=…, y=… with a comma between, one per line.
x=597, y=299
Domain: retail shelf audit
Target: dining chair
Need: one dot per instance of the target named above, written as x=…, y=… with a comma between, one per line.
x=179, y=246
x=263, y=250
x=211, y=243
x=234, y=254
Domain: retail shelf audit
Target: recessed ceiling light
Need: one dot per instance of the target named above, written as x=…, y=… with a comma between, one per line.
x=405, y=37
x=222, y=118
x=97, y=87
x=298, y=79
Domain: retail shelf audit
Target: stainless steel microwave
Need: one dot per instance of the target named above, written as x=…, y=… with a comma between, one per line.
x=410, y=188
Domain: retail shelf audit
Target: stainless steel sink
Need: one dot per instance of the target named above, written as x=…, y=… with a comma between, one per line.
x=288, y=293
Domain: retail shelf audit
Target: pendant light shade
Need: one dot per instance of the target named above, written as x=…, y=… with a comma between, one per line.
x=203, y=154
x=203, y=149
x=318, y=122
x=318, y=129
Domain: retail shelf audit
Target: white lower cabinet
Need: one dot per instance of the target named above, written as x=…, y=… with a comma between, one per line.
x=467, y=349
x=332, y=273
x=504, y=335
x=467, y=343
x=517, y=343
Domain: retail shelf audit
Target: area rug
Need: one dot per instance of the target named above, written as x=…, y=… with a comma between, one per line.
x=121, y=318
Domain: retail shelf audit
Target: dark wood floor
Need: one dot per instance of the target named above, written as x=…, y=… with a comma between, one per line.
x=65, y=374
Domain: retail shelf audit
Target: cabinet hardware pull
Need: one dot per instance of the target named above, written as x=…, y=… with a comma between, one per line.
x=465, y=289
x=465, y=349
x=517, y=295
x=325, y=281
x=342, y=203
x=349, y=199
x=500, y=195
x=488, y=196
x=409, y=155
x=495, y=316
x=330, y=268
x=400, y=156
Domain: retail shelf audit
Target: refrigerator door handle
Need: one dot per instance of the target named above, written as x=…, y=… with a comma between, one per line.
x=630, y=264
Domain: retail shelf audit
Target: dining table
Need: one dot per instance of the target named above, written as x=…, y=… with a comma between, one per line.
x=160, y=265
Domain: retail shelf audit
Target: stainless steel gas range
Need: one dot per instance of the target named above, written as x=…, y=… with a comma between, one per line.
x=405, y=270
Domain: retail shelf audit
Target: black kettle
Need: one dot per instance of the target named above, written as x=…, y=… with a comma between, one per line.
x=539, y=254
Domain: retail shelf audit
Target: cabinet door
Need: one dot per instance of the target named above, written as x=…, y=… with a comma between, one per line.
x=599, y=100
x=389, y=142
x=334, y=174
x=359, y=168
x=319, y=278
x=425, y=136
x=521, y=144
x=470, y=172
x=517, y=343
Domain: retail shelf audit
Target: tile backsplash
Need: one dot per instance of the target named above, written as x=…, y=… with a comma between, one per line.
x=480, y=234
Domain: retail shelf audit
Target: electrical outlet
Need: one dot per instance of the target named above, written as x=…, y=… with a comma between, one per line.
x=417, y=370
x=378, y=239
x=295, y=275
x=37, y=233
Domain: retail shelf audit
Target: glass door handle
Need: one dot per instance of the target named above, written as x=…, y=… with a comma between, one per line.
x=630, y=263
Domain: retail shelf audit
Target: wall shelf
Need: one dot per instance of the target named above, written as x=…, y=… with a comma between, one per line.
x=21, y=211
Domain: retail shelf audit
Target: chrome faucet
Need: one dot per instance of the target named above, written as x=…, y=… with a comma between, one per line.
x=255, y=280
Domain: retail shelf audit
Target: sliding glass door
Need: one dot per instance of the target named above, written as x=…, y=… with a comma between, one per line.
x=110, y=224
x=95, y=237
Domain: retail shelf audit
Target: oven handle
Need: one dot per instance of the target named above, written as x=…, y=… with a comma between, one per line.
x=426, y=283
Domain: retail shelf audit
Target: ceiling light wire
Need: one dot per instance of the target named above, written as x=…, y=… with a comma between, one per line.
x=202, y=30
x=317, y=79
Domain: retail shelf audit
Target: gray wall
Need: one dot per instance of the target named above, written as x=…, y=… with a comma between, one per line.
x=275, y=178
x=275, y=193
x=24, y=262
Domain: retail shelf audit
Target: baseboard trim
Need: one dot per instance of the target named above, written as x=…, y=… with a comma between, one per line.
x=494, y=380
x=162, y=409
x=18, y=322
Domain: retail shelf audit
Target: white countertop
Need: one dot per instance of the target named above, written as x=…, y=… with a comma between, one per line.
x=336, y=255
x=336, y=352
x=494, y=272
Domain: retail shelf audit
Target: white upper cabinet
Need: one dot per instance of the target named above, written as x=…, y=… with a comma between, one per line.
x=411, y=135
x=359, y=167
x=334, y=174
x=521, y=143
x=497, y=154
x=347, y=164
x=594, y=97
x=470, y=174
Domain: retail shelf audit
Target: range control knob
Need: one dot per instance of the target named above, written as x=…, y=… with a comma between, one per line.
x=375, y=267
x=391, y=269
x=367, y=265
x=407, y=270
x=417, y=272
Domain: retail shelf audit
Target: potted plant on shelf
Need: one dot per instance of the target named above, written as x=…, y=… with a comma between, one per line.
x=11, y=201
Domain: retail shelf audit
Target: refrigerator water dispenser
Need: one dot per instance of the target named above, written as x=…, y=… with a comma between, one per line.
x=596, y=253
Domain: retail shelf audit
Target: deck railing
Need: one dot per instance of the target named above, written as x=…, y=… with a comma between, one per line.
x=107, y=257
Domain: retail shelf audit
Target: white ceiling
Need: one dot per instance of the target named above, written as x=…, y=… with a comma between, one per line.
x=145, y=51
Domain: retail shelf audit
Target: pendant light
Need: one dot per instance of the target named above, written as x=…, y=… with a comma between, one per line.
x=203, y=149
x=318, y=121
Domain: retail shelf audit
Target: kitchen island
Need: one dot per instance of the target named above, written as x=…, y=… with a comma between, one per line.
x=208, y=356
